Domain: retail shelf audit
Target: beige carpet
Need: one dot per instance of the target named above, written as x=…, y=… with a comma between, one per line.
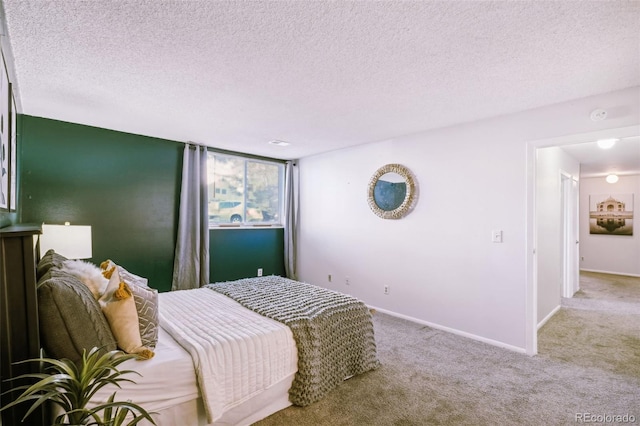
x=599, y=327
x=587, y=363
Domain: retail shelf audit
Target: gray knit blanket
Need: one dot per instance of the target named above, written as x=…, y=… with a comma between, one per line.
x=333, y=331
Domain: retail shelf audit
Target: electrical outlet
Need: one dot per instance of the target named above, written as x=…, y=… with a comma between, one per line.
x=386, y=289
x=346, y=281
x=582, y=258
x=259, y=272
x=329, y=278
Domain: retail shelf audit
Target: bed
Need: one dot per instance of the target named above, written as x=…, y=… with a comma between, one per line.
x=226, y=354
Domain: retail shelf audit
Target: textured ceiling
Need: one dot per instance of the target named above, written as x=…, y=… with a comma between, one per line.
x=319, y=74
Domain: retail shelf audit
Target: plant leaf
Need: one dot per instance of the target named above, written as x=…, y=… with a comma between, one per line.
x=71, y=387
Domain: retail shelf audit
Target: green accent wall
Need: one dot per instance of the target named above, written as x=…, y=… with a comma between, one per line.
x=127, y=187
x=238, y=253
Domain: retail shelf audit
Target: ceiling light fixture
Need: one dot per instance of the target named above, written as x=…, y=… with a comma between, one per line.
x=607, y=143
x=612, y=178
x=279, y=143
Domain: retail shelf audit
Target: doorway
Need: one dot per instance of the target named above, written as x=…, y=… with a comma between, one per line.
x=537, y=252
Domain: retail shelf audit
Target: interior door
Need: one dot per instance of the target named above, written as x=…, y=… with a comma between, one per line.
x=570, y=223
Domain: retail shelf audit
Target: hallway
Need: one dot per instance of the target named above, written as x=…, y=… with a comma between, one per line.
x=599, y=327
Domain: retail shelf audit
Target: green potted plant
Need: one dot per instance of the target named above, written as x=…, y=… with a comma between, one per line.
x=71, y=386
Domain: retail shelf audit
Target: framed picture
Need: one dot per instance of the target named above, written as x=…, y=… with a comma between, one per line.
x=611, y=214
x=13, y=153
x=4, y=137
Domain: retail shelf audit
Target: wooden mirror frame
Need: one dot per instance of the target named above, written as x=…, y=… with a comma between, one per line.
x=410, y=197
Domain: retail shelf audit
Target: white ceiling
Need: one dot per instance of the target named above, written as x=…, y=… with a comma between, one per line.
x=622, y=159
x=321, y=75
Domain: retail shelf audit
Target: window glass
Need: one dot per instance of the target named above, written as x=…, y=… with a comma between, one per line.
x=244, y=191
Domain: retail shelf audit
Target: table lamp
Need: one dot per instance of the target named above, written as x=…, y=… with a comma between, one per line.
x=70, y=241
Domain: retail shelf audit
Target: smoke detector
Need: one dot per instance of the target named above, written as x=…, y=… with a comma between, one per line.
x=598, y=114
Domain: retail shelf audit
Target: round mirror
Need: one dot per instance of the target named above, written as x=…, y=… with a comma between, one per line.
x=392, y=191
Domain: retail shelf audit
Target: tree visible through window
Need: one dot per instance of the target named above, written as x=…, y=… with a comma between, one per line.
x=244, y=191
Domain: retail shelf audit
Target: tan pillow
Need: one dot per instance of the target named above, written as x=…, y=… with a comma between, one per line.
x=119, y=307
x=146, y=299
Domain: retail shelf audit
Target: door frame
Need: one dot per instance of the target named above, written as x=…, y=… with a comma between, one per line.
x=531, y=291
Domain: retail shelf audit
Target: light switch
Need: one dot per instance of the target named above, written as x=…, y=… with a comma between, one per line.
x=496, y=236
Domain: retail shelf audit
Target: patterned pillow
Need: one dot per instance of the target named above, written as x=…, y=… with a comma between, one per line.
x=146, y=300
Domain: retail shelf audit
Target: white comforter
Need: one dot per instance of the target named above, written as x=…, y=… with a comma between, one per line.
x=236, y=352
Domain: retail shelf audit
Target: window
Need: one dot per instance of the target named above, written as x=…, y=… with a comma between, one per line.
x=244, y=191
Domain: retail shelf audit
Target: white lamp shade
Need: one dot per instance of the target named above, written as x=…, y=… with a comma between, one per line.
x=70, y=241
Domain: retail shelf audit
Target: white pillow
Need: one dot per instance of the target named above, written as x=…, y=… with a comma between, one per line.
x=89, y=274
x=108, y=267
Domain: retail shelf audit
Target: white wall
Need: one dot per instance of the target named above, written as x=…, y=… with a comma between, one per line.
x=551, y=162
x=610, y=253
x=439, y=261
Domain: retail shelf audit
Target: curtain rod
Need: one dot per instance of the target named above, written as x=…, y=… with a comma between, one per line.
x=238, y=154
x=242, y=154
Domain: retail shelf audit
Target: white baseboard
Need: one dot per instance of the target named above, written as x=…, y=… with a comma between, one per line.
x=548, y=317
x=453, y=331
x=610, y=272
